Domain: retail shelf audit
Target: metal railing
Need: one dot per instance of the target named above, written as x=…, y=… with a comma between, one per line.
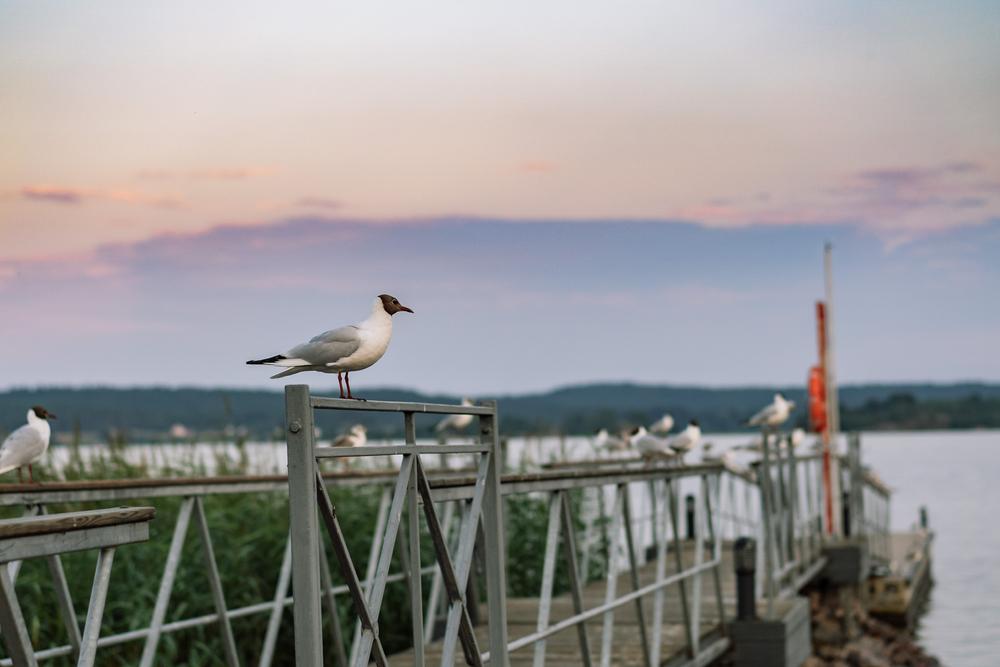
x=307, y=494
x=192, y=493
x=791, y=529
x=867, y=502
x=608, y=520
x=49, y=536
x=789, y=525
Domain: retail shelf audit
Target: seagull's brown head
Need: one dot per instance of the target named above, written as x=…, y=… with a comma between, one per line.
x=392, y=305
x=42, y=413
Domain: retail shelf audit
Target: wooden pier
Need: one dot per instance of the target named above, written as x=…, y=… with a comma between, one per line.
x=646, y=548
x=899, y=592
x=563, y=648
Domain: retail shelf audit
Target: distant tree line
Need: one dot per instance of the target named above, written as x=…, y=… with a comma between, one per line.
x=904, y=412
x=141, y=414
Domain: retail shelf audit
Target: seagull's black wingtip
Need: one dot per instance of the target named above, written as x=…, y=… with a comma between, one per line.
x=269, y=360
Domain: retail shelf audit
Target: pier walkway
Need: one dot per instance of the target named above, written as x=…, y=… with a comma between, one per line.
x=630, y=561
x=563, y=648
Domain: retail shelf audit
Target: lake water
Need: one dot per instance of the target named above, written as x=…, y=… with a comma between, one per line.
x=956, y=475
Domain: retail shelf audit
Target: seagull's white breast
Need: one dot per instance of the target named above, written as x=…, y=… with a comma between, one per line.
x=26, y=445
x=375, y=333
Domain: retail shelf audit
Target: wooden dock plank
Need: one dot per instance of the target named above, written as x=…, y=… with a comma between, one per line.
x=563, y=648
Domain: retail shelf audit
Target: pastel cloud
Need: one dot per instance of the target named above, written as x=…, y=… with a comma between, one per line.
x=207, y=173
x=54, y=194
x=322, y=203
x=898, y=203
x=673, y=288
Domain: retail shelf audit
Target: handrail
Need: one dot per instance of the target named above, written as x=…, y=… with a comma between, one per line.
x=777, y=501
x=49, y=536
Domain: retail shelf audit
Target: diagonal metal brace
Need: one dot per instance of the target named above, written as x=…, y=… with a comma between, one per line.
x=453, y=586
x=328, y=514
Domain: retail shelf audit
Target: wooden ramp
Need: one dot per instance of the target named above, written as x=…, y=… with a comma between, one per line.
x=898, y=594
x=563, y=649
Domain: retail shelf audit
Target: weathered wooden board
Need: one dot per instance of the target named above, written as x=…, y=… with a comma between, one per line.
x=49, y=524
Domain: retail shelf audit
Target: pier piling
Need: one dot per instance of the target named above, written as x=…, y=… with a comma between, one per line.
x=745, y=561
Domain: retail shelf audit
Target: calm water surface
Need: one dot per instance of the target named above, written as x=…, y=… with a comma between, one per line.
x=957, y=476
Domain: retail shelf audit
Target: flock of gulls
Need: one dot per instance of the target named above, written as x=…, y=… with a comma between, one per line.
x=356, y=347
x=655, y=442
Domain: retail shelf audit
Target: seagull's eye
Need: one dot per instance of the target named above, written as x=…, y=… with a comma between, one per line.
x=395, y=302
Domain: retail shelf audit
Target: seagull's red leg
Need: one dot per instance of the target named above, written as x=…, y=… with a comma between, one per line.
x=340, y=380
x=347, y=379
x=31, y=474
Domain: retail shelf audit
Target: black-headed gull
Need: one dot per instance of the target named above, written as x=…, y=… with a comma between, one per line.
x=775, y=414
x=687, y=439
x=605, y=441
x=662, y=425
x=356, y=436
x=27, y=444
x=649, y=446
x=454, y=423
x=351, y=348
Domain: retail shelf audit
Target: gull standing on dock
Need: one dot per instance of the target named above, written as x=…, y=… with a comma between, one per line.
x=351, y=348
x=775, y=414
x=687, y=439
x=650, y=446
x=605, y=441
x=27, y=444
x=356, y=436
x=662, y=425
x=453, y=423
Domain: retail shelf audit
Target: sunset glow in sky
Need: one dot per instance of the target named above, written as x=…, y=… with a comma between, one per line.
x=222, y=179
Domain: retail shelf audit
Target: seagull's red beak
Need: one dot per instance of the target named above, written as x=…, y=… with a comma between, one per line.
x=402, y=307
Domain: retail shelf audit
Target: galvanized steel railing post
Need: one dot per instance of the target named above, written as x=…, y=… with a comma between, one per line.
x=304, y=527
x=95, y=610
x=767, y=498
x=15, y=633
x=496, y=579
x=167, y=583
x=413, y=552
x=856, y=514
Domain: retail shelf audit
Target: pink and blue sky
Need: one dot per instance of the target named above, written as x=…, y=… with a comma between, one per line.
x=563, y=191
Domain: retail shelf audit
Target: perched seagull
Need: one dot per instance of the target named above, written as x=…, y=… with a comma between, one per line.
x=687, y=439
x=728, y=459
x=351, y=348
x=454, y=423
x=706, y=452
x=27, y=444
x=774, y=414
x=650, y=446
x=356, y=436
x=604, y=440
x=662, y=425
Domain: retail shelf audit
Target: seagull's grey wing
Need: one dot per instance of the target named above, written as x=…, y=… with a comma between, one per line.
x=445, y=423
x=762, y=416
x=328, y=347
x=342, y=441
x=21, y=447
